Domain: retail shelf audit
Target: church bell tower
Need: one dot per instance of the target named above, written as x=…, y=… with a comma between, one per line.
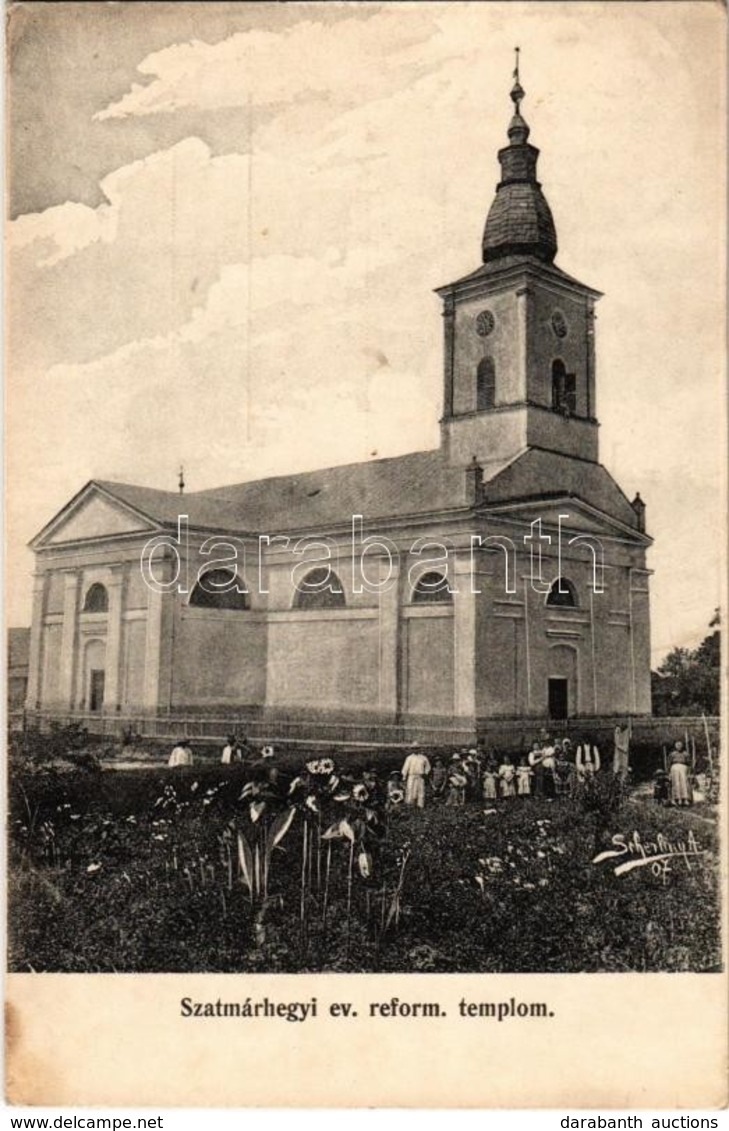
x=519, y=361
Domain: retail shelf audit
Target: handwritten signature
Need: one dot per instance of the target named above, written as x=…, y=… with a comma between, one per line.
x=657, y=854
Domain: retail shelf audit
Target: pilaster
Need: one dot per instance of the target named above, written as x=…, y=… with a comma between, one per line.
x=112, y=689
x=69, y=633
x=464, y=639
x=389, y=629
x=156, y=655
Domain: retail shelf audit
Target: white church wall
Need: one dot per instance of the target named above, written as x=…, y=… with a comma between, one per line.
x=219, y=657
x=326, y=659
x=471, y=347
x=429, y=652
x=565, y=434
x=545, y=346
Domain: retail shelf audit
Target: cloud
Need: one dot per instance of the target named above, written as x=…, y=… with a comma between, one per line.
x=91, y=280
x=63, y=231
x=251, y=299
x=352, y=58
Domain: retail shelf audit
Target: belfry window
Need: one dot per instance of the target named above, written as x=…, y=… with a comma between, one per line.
x=320, y=589
x=562, y=594
x=220, y=589
x=485, y=384
x=564, y=389
x=432, y=588
x=97, y=599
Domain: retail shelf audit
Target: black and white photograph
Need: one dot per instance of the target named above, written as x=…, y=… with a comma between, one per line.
x=365, y=520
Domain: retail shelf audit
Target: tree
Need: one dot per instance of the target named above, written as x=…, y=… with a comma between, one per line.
x=688, y=682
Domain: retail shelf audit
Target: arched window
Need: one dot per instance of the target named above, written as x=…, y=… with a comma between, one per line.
x=97, y=599
x=320, y=589
x=562, y=594
x=220, y=589
x=432, y=588
x=485, y=384
x=564, y=389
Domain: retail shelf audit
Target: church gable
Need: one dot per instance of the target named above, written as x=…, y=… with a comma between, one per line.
x=91, y=516
x=573, y=516
x=540, y=477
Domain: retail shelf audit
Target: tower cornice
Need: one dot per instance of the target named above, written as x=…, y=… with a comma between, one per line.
x=502, y=276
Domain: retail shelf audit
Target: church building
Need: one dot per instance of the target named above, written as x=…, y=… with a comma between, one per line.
x=500, y=576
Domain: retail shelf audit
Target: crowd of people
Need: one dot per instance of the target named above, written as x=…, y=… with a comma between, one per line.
x=236, y=750
x=553, y=768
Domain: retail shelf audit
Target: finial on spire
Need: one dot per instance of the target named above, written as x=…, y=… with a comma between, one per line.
x=181, y=480
x=517, y=93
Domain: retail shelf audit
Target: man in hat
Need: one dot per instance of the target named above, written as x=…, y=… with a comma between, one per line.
x=415, y=770
x=472, y=767
x=181, y=755
x=231, y=751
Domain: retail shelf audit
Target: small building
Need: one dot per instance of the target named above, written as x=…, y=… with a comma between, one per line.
x=501, y=575
x=18, y=653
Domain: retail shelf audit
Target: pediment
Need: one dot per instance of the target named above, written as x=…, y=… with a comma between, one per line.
x=573, y=515
x=90, y=517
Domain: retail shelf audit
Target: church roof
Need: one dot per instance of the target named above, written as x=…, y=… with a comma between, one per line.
x=540, y=474
x=499, y=266
x=418, y=483
x=421, y=483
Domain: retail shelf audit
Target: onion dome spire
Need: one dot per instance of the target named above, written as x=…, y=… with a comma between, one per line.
x=519, y=221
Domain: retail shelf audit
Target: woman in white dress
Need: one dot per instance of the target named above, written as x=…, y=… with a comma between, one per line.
x=678, y=762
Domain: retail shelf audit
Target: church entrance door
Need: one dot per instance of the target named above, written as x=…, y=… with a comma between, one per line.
x=96, y=689
x=558, y=698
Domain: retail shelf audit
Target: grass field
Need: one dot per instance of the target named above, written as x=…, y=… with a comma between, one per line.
x=172, y=870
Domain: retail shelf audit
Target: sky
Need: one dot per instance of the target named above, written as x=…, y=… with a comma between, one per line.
x=227, y=222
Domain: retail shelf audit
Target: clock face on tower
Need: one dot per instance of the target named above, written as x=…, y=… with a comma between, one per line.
x=485, y=323
x=559, y=324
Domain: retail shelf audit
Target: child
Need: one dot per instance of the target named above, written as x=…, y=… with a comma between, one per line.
x=564, y=773
x=457, y=782
x=524, y=774
x=507, y=776
x=489, y=782
x=661, y=788
x=438, y=778
x=395, y=792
